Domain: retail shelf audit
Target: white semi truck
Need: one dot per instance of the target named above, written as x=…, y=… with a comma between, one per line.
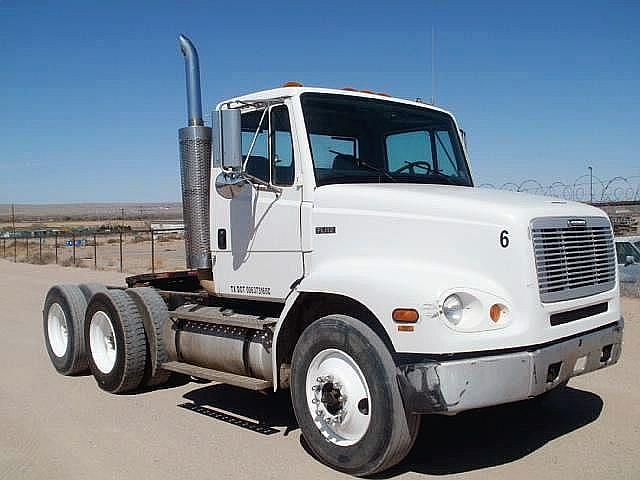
x=337, y=247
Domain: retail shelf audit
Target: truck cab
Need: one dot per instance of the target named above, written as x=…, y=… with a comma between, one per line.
x=371, y=198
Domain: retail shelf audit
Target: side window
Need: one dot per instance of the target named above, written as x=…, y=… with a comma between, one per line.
x=258, y=163
x=283, y=168
x=446, y=155
x=403, y=148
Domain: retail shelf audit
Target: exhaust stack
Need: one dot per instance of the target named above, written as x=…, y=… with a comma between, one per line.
x=195, y=168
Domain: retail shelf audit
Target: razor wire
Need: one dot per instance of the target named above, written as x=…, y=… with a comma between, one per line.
x=582, y=189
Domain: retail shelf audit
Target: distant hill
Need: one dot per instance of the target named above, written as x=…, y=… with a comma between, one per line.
x=91, y=211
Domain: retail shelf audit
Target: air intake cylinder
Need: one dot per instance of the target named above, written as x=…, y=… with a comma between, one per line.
x=195, y=167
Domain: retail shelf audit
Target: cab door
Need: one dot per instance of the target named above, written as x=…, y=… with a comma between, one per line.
x=256, y=236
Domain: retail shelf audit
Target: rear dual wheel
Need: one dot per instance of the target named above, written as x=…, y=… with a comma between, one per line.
x=63, y=325
x=115, y=337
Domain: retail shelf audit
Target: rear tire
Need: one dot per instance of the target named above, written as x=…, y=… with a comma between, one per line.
x=155, y=315
x=346, y=397
x=89, y=289
x=63, y=322
x=114, y=334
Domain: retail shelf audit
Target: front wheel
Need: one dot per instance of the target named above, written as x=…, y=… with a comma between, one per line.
x=346, y=397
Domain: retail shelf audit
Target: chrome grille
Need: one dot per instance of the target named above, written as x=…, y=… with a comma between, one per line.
x=575, y=257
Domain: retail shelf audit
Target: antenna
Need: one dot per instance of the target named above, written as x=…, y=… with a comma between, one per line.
x=433, y=65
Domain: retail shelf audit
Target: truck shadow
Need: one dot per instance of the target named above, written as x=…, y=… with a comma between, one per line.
x=498, y=435
x=446, y=445
x=265, y=413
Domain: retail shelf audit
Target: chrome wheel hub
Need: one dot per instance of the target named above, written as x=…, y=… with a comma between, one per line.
x=338, y=397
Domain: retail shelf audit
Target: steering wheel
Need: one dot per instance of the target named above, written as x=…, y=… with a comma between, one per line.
x=411, y=166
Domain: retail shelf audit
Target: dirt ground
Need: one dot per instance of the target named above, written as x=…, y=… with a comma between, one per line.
x=60, y=427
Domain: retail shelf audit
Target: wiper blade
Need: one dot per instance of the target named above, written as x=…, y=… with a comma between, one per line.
x=375, y=169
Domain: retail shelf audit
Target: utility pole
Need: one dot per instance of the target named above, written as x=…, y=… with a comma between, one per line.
x=13, y=227
x=591, y=184
x=433, y=65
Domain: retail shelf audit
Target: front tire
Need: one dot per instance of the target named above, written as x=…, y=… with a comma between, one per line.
x=114, y=334
x=346, y=397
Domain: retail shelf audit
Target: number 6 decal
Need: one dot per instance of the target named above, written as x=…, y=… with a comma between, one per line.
x=504, y=239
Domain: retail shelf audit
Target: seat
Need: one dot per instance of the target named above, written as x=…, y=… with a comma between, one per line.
x=343, y=161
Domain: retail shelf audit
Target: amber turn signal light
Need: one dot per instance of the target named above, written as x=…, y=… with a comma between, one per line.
x=292, y=84
x=405, y=315
x=495, y=312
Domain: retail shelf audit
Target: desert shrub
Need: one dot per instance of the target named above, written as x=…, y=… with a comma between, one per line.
x=168, y=237
x=67, y=262
x=139, y=239
x=47, y=257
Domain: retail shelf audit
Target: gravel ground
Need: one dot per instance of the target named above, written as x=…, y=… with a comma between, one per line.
x=61, y=427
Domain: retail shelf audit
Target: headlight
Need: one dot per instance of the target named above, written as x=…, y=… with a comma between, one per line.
x=452, y=308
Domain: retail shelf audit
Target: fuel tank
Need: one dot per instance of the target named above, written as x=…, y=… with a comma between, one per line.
x=242, y=351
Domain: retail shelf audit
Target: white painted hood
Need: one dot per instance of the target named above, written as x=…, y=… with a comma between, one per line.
x=455, y=202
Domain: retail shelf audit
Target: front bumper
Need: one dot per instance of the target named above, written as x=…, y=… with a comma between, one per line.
x=452, y=386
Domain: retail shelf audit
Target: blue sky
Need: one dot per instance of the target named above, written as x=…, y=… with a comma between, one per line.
x=92, y=93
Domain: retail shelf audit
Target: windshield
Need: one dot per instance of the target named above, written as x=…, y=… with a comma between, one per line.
x=626, y=249
x=362, y=140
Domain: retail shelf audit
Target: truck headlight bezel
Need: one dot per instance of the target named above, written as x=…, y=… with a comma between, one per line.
x=469, y=310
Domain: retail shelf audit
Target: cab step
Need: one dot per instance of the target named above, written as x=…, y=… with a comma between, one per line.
x=221, y=316
x=241, y=381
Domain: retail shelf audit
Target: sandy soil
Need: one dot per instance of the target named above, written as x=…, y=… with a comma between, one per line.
x=60, y=427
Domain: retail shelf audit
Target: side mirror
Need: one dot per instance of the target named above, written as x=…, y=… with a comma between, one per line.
x=227, y=140
x=463, y=134
x=629, y=260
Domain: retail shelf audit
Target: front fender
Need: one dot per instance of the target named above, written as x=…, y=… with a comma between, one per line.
x=383, y=286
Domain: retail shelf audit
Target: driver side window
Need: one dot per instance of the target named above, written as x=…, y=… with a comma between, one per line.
x=258, y=162
x=406, y=147
x=271, y=159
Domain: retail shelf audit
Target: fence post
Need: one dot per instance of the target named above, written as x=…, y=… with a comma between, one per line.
x=153, y=254
x=56, y=247
x=73, y=240
x=121, y=269
x=95, y=252
x=15, y=249
x=40, y=236
x=4, y=248
x=27, y=249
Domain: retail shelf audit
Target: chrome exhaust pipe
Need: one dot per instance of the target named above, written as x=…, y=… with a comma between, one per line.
x=195, y=169
x=192, y=74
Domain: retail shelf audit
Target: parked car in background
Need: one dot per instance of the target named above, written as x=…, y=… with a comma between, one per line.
x=628, y=255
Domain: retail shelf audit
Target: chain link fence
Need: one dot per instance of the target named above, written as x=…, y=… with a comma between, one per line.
x=126, y=250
